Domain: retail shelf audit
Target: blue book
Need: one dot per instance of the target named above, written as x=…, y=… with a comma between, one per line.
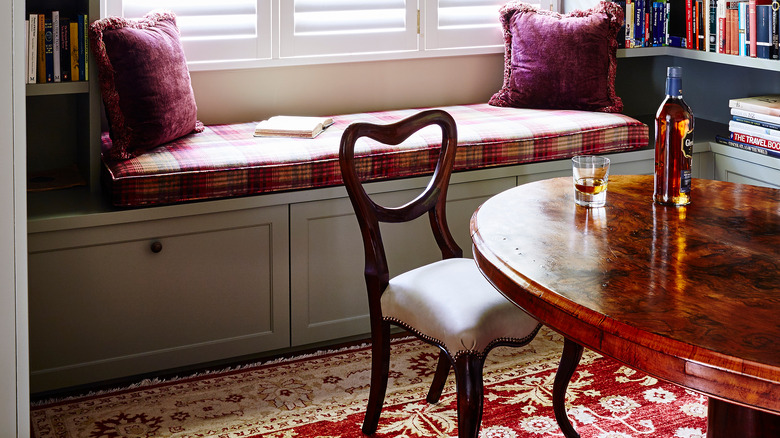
x=763, y=31
x=83, y=34
x=747, y=147
x=761, y=123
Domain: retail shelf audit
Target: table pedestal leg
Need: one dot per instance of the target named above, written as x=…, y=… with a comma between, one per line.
x=572, y=353
x=727, y=420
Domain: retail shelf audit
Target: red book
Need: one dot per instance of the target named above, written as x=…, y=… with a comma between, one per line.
x=689, y=40
x=756, y=141
x=752, y=26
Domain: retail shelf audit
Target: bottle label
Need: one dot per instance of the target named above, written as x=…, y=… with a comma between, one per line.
x=685, y=181
x=685, y=175
x=687, y=145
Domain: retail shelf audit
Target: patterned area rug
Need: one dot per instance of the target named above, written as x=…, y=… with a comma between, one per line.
x=324, y=395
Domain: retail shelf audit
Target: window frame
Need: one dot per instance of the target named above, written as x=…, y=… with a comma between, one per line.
x=271, y=51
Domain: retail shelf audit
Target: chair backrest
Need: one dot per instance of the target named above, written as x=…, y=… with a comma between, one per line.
x=432, y=200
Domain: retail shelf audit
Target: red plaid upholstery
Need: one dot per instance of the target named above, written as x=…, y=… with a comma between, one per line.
x=227, y=160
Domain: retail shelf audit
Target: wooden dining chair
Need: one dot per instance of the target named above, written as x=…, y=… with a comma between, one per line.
x=447, y=303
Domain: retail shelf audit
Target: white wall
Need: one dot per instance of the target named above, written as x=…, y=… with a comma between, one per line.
x=255, y=94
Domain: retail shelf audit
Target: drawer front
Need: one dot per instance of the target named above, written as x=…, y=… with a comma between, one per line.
x=188, y=296
x=328, y=294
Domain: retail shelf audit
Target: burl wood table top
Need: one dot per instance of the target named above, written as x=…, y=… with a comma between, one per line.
x=688, y=294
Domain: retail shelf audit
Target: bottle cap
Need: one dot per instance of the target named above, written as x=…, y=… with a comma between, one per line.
x=674, y=72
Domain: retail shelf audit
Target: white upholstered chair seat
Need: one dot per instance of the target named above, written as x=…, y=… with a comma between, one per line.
x=450, y=302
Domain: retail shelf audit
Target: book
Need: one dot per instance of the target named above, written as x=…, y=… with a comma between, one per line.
x=744, y=43
x=41, y=49
x=32, y=50
x=74, y=51
x=763, y=31
x=754, y=122
x=83, y=35
x=65, y=49
x=747, y=147
x=55, y=33
x=756, y=130
x=756, y=141
x=292, y=126
x=775, y=31
x=48, y=48
x=767, y=104
x=755, y=116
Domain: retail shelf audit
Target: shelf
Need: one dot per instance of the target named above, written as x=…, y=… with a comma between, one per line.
x=80, y=87
x=720, y=58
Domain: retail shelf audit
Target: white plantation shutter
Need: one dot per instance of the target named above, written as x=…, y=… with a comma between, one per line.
x=328, y=27
x=466, y=23
x=211, y=30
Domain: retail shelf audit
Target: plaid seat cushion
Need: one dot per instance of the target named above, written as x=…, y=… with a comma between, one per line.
x=227, y=160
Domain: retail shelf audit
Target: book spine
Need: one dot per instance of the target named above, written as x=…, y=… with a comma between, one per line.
x=775, y=31
x=742, y=29
x=763, y=32
x=756, y=122
x=756, y=141
x=41, y=49
x=55, y=32
x=749, y=129
x=752, y=28
x=747, y=147
x=701, y=25
x=82, y=34
x=32, y=50
x=65, y=49
x=630, y=24
x=74, y=51
x=689, y=42
x=712, y=27
x=48, y=47
x=724, y=24
x=754, y=115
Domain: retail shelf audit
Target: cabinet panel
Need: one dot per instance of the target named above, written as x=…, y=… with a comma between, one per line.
x=744, y=172
x=128, y=306
x=328, y=295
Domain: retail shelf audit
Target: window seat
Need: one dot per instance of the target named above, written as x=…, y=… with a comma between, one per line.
x=228, y=161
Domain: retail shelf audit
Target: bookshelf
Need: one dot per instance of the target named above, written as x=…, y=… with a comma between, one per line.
x=63, y=119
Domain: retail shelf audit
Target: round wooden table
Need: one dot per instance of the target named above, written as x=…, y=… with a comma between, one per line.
x=690, y=295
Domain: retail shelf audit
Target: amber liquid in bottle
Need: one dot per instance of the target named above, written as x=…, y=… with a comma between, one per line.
x=673, y=144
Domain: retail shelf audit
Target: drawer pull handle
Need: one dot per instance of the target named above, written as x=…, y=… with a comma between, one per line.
x=156, y=247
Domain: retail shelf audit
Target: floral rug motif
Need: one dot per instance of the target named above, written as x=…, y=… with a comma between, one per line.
x=324, y=396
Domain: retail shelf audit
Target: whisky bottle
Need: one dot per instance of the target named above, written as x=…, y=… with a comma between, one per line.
x=673, y=144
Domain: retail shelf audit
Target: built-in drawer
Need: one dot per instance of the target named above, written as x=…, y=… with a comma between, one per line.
x=118, y=300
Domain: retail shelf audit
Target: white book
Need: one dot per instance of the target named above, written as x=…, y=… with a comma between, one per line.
x=55, y=29
x=32, y=53
x=760, y=131
x=754, y=115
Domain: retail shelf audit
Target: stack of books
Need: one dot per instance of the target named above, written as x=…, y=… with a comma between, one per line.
x=755, y=125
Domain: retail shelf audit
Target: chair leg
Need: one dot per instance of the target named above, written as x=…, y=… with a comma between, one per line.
x=439, y=378
x=380, y=368
x=468, y=378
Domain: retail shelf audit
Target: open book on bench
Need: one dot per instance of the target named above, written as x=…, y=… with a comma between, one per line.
x=292, y=126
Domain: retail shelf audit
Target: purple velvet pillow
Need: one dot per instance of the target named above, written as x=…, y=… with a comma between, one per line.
x=144, y=81
x=556, y=61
